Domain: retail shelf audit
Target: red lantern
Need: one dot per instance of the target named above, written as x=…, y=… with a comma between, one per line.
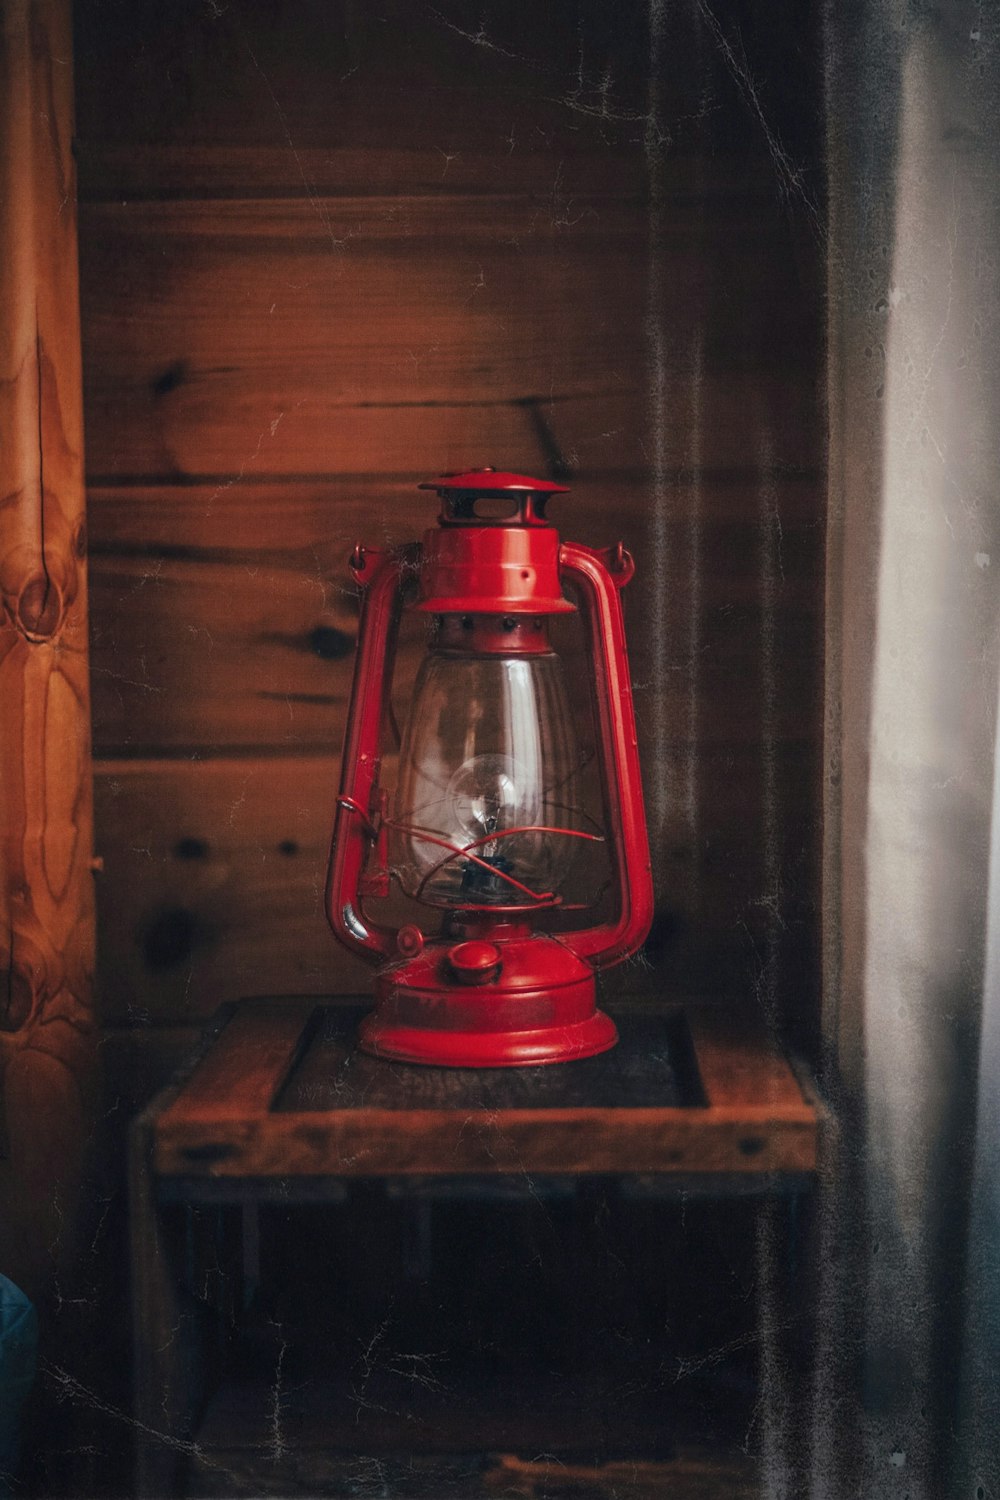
x=482, y=825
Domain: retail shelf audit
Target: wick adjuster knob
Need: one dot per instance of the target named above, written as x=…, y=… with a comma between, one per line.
x=410, y=941
x=475, y=962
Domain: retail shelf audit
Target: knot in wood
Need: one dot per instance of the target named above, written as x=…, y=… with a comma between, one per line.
x=31, y=972
x=40, y=608
x=17, y=997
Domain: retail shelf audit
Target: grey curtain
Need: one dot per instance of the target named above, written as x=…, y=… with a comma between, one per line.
x=906, y=1400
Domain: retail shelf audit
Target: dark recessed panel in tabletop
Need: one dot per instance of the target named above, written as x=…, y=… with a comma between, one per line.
x=651, y=1068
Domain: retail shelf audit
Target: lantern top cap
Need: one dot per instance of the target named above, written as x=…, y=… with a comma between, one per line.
x=492, y=482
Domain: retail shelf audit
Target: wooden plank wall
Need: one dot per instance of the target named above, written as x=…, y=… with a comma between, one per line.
x=47, y=1030
x=328, y=250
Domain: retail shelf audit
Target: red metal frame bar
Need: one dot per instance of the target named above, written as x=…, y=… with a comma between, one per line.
x=381, y=577
x=611, y=942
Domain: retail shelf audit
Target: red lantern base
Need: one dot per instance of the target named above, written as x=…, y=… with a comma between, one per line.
x=482, y=1049
x=496, y=1001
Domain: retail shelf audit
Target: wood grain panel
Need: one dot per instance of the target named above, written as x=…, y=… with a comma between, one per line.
x=737, y=1065
x=133, y=172
x=212, y=886
x=47, y=1062
x=361, y=304
x=363, y=1143
x=251, y=1059
x=197, y=433
x=436, y=87
x=319, y=516
x=210, y=654
x=231, y=1470
x=341, y=229
x=138, y=1061
x=239, y=339
x=440, y=1121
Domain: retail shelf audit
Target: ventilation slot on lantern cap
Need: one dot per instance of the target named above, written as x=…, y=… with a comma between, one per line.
x=488, y=564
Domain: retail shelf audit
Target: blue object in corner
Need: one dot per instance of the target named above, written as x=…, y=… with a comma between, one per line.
x=18, y=1359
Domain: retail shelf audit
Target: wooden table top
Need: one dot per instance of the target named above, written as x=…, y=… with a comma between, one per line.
x=282, y=1091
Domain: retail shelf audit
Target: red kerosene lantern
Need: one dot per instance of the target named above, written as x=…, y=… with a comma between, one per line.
x=482, y=824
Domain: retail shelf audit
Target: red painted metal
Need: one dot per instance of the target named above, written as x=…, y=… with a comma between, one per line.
x=493, y=635
x=359, y=803
x=492, y=990
x=475, y=962
x=610, y=943
x=492, y=568
x=534, y=1005
x=489, y=564
x=476, y=482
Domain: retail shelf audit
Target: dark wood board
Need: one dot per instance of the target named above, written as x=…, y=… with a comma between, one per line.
x=333, y=1074
x=334, y=336
x=396, y=1121
x=582, y=1413
x=706, y=1475
x=313, y=517
x=206, y=655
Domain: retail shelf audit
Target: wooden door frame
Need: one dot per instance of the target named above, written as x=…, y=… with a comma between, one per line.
x=47, y=1024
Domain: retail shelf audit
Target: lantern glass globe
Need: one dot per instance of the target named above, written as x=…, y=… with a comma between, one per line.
x=487, y=767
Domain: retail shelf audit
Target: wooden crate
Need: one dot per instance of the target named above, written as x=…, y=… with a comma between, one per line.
x=281, y=1106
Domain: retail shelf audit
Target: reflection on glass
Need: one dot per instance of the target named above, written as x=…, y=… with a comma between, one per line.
x=487, y=764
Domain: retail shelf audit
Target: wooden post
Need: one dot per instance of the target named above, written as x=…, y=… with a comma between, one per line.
x=46, y=812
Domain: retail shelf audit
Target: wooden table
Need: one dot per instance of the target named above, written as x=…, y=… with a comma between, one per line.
x=280, y=1106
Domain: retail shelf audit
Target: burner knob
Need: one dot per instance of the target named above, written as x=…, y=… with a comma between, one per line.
x=475, y=962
